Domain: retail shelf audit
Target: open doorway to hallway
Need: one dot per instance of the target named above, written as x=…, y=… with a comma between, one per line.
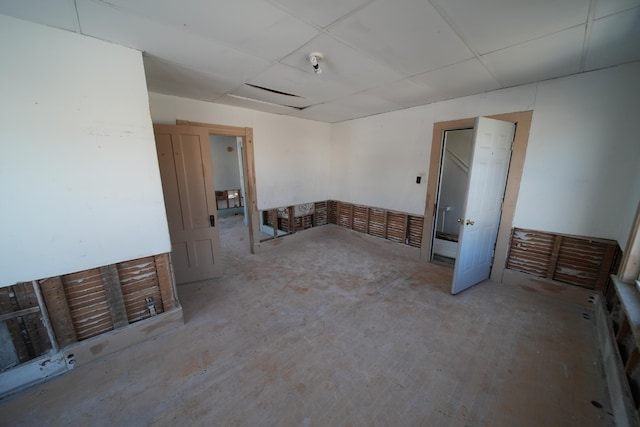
x=228, y=171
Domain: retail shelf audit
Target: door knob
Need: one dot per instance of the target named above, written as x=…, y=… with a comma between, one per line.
x=459, y=220
x=470, y=222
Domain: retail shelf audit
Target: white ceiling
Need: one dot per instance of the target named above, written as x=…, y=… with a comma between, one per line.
x=379, y=55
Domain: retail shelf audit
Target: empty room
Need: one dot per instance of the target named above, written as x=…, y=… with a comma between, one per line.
x=338, y=213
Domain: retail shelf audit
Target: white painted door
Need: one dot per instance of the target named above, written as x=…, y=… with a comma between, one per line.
x=491, y=154
x=189, y=196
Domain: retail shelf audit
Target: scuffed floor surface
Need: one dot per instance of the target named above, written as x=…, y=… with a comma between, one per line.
x=335, y=333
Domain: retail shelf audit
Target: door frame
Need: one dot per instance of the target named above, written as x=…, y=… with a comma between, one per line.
x=522, y=120
x=248, y=163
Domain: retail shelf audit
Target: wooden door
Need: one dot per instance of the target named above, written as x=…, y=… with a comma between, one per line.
x=488, y=170
x=187, y=183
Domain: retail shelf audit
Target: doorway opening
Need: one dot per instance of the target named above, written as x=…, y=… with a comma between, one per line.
x=228, y=177
x=431, y=219
x=454, y=174
x=233, y=164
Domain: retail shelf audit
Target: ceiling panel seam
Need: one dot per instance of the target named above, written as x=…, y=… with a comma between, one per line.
x=464, y=40
x=587, y=34
x=76, y=17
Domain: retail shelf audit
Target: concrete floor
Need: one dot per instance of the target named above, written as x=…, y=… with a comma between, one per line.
x=335, y=333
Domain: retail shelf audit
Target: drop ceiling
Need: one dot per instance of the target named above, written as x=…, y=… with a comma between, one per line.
x=379, y=55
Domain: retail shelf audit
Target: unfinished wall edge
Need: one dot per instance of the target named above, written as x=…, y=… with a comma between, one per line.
x=50, y=365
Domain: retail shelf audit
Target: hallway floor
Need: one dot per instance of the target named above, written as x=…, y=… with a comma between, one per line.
x=332, y=332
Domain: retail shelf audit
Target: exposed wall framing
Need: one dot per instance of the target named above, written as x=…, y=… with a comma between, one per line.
x=20, y=312
x=84, y=304
x=575, y=260
x=623, y=301
x=386, y=224
x=291, y=222
x=396, y=226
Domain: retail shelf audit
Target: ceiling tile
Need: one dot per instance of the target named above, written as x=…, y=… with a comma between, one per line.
x=167, y=43
x=285, y=78
x=609, y=7
x=278, y=40
x=614, y=40
x=405, y=93
x=329, y=112
x=274, y=98
x=367, y=104
x=55, y=13
x=342, y=64
x=224, y=21
x=544, y=58
x=172, y=79
x=254, y=105
x=462, y=79
x=490, y=25
x=321, y=13
x=409, y=35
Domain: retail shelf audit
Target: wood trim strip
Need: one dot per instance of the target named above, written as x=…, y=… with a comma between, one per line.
x=630, y=265
x=166, y=282
x=292, y=220
x=19, y=313
x=215, y=129
x=115, y=300
x=553, y=262
x=251, y=194
x=606, y=267
x=248, y=160
x=59, y=314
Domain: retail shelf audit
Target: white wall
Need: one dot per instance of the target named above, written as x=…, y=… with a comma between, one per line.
x=585, y=152
x=580, y=174
x=292, y=155
x=226, y=169
x=79, y=179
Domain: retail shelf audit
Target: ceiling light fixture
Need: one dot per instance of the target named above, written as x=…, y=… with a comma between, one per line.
x=315, y=59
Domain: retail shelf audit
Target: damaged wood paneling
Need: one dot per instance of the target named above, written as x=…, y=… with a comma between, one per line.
x=321, y=214
x=575, y=260
x=333, y=211
x=416, y=223
x=396, y=226
x=87, y=301
x=139, y=281
x=377, y=222
x=360, y=218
